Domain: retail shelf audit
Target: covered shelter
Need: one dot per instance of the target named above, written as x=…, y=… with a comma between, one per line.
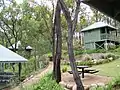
x=8, y=56
x=100, y=35
x=108, y=7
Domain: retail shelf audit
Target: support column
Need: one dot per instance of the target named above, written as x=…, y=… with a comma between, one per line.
x=94, y=45
x=1, y=67
x=106, y=45
x=19, y=70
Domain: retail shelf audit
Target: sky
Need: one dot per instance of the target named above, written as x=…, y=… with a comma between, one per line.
x=49, y=4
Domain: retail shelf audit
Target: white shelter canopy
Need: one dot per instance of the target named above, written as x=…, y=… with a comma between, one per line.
x=9, y=56
x=97, y=25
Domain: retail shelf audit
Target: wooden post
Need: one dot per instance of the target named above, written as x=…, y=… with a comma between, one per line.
x=94, y=46
x=2, y=67
x=19, y=70
x=106, y=44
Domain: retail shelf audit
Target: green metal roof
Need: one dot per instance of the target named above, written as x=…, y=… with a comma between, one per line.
x=97, y=25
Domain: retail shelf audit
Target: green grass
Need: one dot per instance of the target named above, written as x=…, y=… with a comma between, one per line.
x=109, y=69
x=45, y=83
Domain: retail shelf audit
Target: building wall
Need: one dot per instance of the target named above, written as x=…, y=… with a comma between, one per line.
x=90, y=37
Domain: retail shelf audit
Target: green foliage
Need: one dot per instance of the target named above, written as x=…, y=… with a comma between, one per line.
x=116, y=51
x=48, y=54
x=78, y=52
x=116, y=81
x=64, y=69
x=98, y=88
x=88, y=63
x=46, y=83
x=111, y=56
x=32, y=65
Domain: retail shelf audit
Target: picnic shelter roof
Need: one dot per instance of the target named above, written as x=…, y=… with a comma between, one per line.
x=7, y=55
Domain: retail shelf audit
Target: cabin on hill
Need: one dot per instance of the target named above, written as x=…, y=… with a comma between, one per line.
x=100, y=35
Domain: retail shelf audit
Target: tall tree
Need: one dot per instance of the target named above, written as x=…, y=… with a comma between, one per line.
x=58, y=41
x=10, y=23
x=71, y=28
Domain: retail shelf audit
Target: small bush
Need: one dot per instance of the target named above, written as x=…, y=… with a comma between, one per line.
x=46, y=83
x=116, y=81
x=88, y=63
x=64, y=69
x=102, y=57
x=111, y=56
x=87, y=58
x=78, y=52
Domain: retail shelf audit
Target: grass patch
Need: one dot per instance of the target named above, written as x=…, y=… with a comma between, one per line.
x=109, y=69
x=46, y=83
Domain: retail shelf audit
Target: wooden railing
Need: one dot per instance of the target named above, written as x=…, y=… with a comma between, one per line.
x=110, y=37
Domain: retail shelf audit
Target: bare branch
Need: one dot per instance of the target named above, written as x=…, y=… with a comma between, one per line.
x=6, y=24
x=65, y=10
x=7, y=37
x=76, y=14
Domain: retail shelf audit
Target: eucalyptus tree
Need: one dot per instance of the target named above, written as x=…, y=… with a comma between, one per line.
x=10, y=20
x=37, y=28
x=72, y=19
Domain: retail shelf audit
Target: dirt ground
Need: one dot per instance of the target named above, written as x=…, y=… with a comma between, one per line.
x=88, y=80
x=67, y=78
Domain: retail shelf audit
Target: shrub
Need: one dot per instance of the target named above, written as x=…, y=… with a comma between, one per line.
x=102, y=57
x=78, y=52
x=32, y=65
x=116, y=81
x=88, y=63
x=46, y=83
x=87, y=58
x=64, y=69
x=111, y=56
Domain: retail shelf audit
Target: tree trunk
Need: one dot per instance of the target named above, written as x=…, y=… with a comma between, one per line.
x=72, y=58
x=57, y=44
x=71, y=28
x=53, y=47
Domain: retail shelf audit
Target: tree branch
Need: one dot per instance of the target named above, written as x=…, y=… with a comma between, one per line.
x=65, y=10
x=7, y=37
x=6, y=24
x=76, y=14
